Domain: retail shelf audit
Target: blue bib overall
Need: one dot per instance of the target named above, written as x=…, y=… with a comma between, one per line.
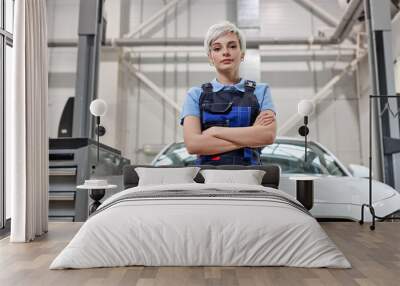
x=229, y=108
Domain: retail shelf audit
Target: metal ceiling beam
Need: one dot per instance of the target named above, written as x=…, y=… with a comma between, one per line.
x=281, y=49
x=251, y=43
x=343, y=29
x=346, y=24
x=321, y=13
x=150, y=84
x=341, y=32
x=153, y=20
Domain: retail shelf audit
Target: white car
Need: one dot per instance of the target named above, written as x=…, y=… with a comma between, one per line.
x=339, y=192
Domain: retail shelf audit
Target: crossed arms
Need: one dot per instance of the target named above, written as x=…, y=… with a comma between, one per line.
x=216, y=140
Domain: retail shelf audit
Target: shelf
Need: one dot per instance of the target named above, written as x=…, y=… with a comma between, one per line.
x=62, y=171
x=61, y=196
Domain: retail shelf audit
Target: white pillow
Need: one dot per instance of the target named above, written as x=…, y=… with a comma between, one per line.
x=164, y=176
x=248, y=177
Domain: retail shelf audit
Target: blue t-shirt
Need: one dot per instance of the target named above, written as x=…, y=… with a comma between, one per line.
x=191, y=104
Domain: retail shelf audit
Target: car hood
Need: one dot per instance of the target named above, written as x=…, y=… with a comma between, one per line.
x=343, y=189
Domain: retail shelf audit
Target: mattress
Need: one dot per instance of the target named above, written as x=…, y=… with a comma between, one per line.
x=201, y=225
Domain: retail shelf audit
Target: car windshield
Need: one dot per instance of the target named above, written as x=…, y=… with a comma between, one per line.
x=288, y=154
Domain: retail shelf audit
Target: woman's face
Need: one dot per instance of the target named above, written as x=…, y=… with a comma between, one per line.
x=225, y=53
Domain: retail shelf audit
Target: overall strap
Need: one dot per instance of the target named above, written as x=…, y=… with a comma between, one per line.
x=249, y=87
x=207, y=90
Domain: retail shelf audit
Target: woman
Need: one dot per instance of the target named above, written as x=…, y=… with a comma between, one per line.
x=227, y=120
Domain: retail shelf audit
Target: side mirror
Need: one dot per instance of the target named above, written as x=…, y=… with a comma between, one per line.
x=359, y=171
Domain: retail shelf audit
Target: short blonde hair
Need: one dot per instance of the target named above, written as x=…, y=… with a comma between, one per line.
x=219, y=29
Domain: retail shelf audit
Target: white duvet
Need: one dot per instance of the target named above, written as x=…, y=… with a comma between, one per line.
x=183, y=231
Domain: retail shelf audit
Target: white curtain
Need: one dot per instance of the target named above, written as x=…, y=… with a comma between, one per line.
x=26, y=123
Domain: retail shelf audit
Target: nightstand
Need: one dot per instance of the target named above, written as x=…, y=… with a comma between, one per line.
x=305, y=190
x=97, y=190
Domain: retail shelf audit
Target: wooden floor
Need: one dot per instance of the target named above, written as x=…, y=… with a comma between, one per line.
x=375, y=257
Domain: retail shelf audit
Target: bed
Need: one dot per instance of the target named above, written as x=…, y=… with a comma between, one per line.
x=201, y=224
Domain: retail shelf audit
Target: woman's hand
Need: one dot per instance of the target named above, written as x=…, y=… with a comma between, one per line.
x=264, y=119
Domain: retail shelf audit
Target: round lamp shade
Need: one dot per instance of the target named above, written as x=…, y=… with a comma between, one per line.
x=98, y=107
x=305, y=107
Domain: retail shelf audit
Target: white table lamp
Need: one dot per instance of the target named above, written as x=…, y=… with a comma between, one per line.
x=98, y=108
